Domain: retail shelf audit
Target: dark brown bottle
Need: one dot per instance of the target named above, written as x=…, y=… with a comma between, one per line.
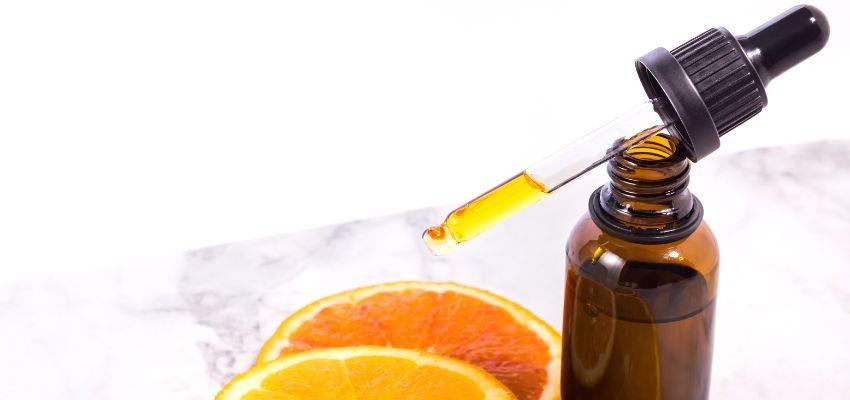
x=641, y=282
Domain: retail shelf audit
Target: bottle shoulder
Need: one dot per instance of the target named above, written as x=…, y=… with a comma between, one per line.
x=699, y=251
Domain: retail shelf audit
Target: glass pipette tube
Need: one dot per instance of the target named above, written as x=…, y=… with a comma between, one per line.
x=544, y=177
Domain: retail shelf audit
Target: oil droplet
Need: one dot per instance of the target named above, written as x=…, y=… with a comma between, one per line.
x=436, y=232
x=438, y=240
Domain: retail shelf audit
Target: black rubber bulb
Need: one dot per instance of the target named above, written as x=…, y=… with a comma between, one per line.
x=785, y=41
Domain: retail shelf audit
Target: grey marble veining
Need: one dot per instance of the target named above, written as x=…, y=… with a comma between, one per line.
x=179, y=327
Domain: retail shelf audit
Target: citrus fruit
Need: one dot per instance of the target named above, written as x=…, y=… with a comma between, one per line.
x=443, y=318
x=365, y=373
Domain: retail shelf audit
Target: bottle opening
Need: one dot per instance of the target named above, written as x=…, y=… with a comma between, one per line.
x=647, y=200
x=660, y=158
x=656, y=148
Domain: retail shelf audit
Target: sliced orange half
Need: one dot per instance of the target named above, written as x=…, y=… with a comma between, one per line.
x=365, y=373
x=443, y=318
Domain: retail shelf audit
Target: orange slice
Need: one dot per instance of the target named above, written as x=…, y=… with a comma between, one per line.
x=470, y=324
x=365, y=373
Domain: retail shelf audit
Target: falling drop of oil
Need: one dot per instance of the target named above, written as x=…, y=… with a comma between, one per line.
x=438, y=240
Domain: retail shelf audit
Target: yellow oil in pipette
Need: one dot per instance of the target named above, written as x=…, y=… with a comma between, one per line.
x=519, y=192
x=481, y=214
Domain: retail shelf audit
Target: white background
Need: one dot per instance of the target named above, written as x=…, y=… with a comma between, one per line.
x=137, y=128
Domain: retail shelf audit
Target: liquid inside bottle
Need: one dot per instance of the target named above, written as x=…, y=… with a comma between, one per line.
x=646, y=335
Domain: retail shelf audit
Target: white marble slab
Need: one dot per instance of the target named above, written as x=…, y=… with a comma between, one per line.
x=179, y=327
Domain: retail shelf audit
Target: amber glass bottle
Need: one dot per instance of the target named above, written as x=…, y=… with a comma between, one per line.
x=641, y=282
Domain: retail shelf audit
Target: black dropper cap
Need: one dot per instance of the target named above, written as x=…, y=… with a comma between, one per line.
x=716, y=81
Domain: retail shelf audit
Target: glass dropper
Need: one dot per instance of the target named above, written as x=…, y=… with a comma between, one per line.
x=545, y=177
x=700, y=91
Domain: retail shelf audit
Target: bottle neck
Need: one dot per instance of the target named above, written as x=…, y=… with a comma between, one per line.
x=647, y=200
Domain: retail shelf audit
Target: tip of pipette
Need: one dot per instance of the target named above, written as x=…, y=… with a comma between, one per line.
x=438, y=240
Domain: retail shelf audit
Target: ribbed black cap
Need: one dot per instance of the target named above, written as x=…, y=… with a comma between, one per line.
x=715, y=81
x=725, y=79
